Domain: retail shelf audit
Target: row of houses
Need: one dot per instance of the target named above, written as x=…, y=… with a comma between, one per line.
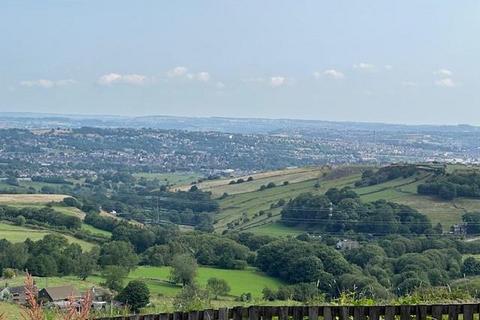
x=57, y=297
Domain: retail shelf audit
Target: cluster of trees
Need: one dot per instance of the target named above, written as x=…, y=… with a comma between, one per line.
x=384, y=174
x=240, y=180
x=303, y=292
x=207, y=249
x=341, y=210
x=451, y=186
x=40, y=216
x=51, y=179
x=391, y=266
x=146, y=200
x=51, y=256
x=267, y=186
x=472, y=222
x=157, y=245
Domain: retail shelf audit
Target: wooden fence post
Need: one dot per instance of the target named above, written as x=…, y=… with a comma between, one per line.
x=283, y=313
x=437, y=312
x=390, y=313
x=468, y=312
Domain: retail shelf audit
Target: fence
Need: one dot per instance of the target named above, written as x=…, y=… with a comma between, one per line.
x=400, y=312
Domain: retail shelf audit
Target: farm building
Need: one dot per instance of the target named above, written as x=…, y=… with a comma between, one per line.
x=14, y=294
x=57, y=294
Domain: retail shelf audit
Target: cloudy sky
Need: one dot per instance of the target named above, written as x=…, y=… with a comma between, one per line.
x=406, y=61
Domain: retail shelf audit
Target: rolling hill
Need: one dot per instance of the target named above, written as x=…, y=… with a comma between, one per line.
x=246, y=208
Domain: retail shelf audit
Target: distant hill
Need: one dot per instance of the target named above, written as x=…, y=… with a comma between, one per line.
x=222, y=124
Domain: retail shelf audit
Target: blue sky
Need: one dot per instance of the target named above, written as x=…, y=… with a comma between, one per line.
x=406, y=61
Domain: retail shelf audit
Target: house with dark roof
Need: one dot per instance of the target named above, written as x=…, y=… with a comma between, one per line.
x=57, y=294
x=14, y=294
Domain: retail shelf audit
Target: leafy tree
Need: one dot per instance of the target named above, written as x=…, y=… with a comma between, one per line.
x=119, y=253
x=86, y=264
x=218, y=287
x=305, y=292
x=363, y=255
x=43, y=265
x=71, y=202
x=184, y=269
x=158, y=255
x=191, y=298
x=268, y=294
x=471, y=266
x=472, y=220
x=447, y=191
x=114, y=277
x=20, y=220
x=8, y=273
x=136, y=295
x=308, y=269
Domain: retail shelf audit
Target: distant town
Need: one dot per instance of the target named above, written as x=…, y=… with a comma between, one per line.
x=53, y=145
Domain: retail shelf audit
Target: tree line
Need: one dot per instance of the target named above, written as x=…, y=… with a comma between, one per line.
x=341, y=210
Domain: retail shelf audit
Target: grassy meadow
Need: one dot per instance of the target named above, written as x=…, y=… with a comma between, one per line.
x=172, y=179
x=161, y=290
x=15, y=234
x=220, y=186
x=401, y=190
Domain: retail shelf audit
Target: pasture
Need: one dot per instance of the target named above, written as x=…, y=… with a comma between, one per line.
x=250, y=203
x=219, y=187
x=172, y=179
x=15, y=234
x=157, y=279
x=243, y=208
x=240, y=281
x=8, y=199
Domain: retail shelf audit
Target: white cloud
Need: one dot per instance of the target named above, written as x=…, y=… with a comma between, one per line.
x=47, y=84
x=330, y=73
x=181, y=72
x=274, y=81
x=220, y=85
x=114, y=78
x=203, y=76
x=446, y=83
x=177, y=72
x=363, y=66
x=388, y=67
x=277, y=81
x=443, y=73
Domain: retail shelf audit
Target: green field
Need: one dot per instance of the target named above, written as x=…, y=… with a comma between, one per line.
x=236, y=207
x=39, y=201
x=220, y=186
x=403, y=191
x=240, y=281
x=233, y=207
x=95, y=231
x=15, y=234
x=176, y=178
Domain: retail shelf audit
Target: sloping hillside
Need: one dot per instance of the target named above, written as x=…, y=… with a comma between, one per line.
x=258, y=210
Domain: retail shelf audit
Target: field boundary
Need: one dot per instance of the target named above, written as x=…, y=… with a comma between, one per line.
x=327, y=312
